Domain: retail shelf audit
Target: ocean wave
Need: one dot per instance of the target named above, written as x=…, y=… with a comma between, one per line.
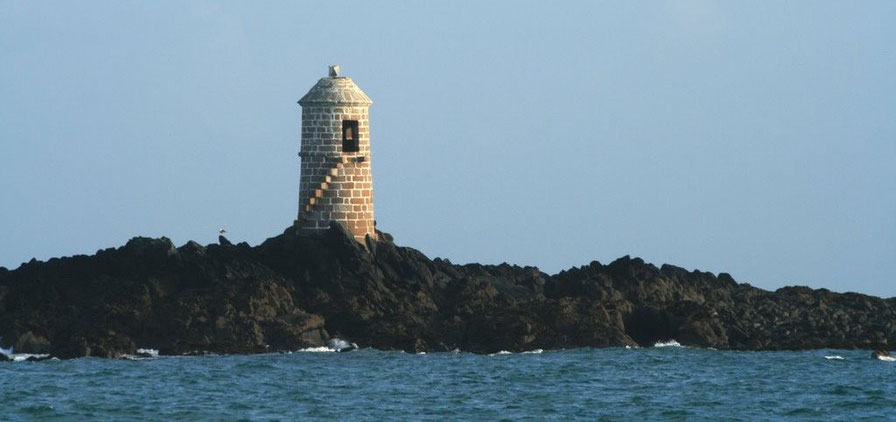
x=341, y=345
x=535, y=352
x=334, y=344
x=142, y=354
x=338, y=343
x=834, y=357
x=670, y=343
x=319, y=349
x=21, y=357
x=502, y=352
x=887, y=358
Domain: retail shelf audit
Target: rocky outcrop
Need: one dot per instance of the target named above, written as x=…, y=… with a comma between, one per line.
x=299, y=290
x=30, y=343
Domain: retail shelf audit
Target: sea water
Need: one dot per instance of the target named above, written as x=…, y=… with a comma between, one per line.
x=658, y=383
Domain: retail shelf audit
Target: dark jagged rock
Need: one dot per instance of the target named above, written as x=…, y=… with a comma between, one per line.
x=299, y=290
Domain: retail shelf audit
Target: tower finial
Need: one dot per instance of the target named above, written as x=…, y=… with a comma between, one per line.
x=334, y=70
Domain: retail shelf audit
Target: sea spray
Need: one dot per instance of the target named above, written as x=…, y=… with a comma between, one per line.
x=319, y=349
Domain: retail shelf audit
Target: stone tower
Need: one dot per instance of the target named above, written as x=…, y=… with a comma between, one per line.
x=335, y=183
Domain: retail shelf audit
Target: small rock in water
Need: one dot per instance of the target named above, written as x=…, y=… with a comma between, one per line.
x=883, y=355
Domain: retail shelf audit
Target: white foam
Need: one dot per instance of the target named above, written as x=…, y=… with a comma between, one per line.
x=320, y=349
x=670, y=343
x=887, y=358
x=333, y=345
x=502, y=352
x=834, y=357
x=421, y=353
x=535, y=352
x=142, y=354
x=151, y=352
x=19, y=357
x=338, y=344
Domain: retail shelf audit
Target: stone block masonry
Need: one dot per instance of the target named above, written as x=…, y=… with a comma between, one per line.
x=335, y=181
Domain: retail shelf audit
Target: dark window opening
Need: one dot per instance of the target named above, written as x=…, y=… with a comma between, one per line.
x=350, y=136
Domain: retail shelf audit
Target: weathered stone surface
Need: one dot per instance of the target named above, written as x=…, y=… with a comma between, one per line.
x=301, y=289
x=335, y=90
x=31, y=343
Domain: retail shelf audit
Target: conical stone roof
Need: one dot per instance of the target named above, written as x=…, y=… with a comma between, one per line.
x=335, y=90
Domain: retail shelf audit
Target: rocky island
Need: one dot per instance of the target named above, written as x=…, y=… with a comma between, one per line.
x=332, y=274
x=300, y=289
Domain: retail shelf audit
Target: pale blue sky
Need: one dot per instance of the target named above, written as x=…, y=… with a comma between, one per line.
x=755, y=138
